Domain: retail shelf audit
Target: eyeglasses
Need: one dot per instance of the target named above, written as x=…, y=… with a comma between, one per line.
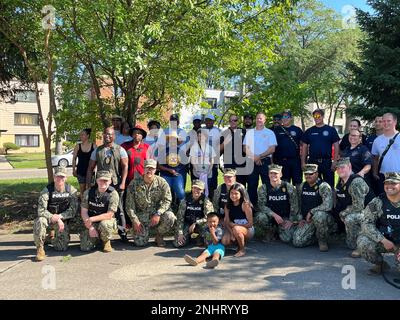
x=317, y=116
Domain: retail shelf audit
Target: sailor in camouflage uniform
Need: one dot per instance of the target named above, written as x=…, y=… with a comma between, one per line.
x=278, y=205
x=380, y=230
x=192, y=214
x=316, y=202
x=352, y=194
x=148, y=205
x=99, y=204
x=58, y=204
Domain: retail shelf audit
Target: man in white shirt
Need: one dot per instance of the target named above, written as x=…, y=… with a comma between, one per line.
x=214, y=135
x=391, y=157
x=259, y=144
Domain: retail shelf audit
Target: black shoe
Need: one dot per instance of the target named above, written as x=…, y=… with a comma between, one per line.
x=123, y=237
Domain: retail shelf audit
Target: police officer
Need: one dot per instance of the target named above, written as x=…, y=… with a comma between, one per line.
x=278, y=205
x=111, y=157
x=352, y=194
x=316, y=202
x=380, y=231
x=317, y=145
x=287, y=152
x=98, y=207
x=192, y=214
x=58, y=204
x=148, y=203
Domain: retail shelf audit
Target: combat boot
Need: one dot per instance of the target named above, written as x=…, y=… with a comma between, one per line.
x=40, y=255
x=323, y=246
x=355, y=254
x=378, y=268
x=160, y=240
x=107, y=246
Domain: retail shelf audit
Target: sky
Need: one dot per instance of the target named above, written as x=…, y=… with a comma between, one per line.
x=340, y=5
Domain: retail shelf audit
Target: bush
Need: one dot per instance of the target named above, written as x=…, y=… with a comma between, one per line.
x=10, y=146
x=69, y=145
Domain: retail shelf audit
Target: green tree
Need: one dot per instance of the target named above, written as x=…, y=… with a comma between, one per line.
x=376, y=78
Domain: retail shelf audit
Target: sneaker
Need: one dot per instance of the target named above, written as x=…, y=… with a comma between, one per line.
x=40, y=255
x=212, y=264
x=356, y=254
x=190, y=260
x=323, y=246
x=107, y=246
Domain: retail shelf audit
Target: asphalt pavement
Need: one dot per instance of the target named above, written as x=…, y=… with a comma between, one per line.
x=268, y=271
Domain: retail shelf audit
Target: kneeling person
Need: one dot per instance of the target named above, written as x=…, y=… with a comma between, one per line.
x=192, y=214
x=316, y=202
x=58, y=204
x=97, y=211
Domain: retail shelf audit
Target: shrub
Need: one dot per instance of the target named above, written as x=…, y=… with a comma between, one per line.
x=10, y=146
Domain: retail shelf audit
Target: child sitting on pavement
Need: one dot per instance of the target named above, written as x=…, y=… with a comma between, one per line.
x=212, y=234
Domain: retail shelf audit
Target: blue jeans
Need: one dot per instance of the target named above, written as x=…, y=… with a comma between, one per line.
x=177, y=184
x=252, y=182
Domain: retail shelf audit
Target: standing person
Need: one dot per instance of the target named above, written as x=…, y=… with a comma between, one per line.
x=231, y=146
x=279, y=205
x=287, y=152
x=276, y=121
x=355, y=124
x=201, y=158
x=116, y=121
x=248, y=121
x=125, y=135
x=57, y=206
x=238, y=219
x=113, y=158
x=99, y=204
x=352, y=194
x=82, y=152
x=260, y=144
x=193, y=140
x=380, y=231
x=214, y=136
x=317, y=146
x=215, y=249
x=151, y=139
x=377, y=131
x=148, y=204
x=136, y=150
x=316, y=203
x=386, y=150
x=192, y=215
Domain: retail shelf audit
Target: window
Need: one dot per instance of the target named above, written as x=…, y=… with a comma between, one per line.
x=26, y=119
x=26, y=96
x=212, y=102
x=27, y=140
x=339, y=114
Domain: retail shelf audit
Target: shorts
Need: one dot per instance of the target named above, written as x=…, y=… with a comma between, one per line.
x=219, y=248
x=81, y=179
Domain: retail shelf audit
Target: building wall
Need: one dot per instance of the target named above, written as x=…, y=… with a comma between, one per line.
x=8, y=109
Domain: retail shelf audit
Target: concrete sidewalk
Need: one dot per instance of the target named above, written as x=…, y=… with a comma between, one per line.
x=4, y=164
x=268, y=271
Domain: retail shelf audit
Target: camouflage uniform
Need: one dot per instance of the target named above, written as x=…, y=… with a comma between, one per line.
x=321, y=219
x=43, y=222
x=105, y=228
x=183, y=228
x=143, y=201
x=264, y=219
x=353, y=214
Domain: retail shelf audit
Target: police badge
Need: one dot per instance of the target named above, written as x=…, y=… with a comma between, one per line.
x=107, y=160
x=173, y=160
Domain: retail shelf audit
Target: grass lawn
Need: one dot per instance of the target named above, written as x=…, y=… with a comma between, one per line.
x=27, y=160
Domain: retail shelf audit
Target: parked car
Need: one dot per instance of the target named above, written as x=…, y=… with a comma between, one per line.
x=63, y=160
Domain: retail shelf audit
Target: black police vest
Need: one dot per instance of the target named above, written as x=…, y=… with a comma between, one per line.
x=310, y=197
x=194, y=209
x=278, y=200
x=223, y=198
x=98, y=205
x=236, y=213
x=389, y=222
x=60, y=201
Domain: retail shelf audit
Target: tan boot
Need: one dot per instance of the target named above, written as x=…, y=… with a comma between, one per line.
x=40, y=255
x=160, y=241
x=356, y=254
x=323, y=246
x=107, y=246
x=378, y=268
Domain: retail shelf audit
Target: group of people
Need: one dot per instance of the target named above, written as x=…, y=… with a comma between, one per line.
x=138, y=183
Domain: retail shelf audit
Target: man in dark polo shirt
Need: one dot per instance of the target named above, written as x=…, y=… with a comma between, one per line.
x=317, y=146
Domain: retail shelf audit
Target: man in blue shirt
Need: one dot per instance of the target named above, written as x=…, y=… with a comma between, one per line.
x=287, y=152
x=317, y=146
x=377, y=131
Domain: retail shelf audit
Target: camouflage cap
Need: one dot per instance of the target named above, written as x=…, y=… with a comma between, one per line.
x=343, y=162
x=103, y=175
x=275, y=168
x=229, y=172
x=198, y=184
x=392, y=177
x=60, y=171
x=150, y=163
x=310, y=168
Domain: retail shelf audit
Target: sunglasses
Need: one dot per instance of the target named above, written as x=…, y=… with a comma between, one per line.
x=317, y=116
x=285, y=117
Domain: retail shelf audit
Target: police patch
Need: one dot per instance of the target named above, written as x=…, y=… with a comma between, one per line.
x=293, y=133
x=283, y=189
x=325, y=133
